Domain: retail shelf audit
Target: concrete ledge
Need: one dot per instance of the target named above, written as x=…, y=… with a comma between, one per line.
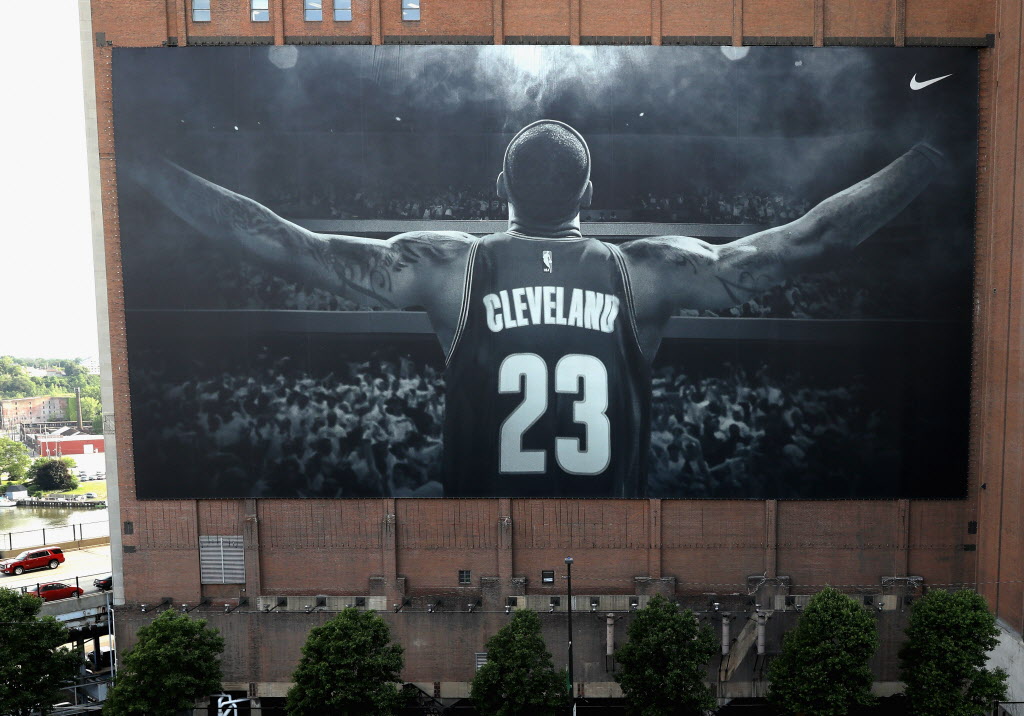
x=589, y=689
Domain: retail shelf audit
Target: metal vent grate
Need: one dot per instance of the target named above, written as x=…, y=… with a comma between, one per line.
x=221, y=560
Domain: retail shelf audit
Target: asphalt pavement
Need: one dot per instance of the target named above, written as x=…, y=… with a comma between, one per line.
x=85, y=564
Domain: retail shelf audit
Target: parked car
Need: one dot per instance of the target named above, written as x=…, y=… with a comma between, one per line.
x=50, y=557
x=56, y=590
x=90, y=495
x=104, y=583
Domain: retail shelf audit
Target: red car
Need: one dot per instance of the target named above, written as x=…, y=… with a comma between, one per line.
x=33, y=559
x=56, y=590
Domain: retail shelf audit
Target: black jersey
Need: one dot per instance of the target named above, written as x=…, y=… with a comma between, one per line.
x=548, y=392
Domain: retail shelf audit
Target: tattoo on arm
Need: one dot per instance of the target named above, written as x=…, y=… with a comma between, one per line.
x=367, y=275
x=369, y=270
x=746, y=286
x=361, y=269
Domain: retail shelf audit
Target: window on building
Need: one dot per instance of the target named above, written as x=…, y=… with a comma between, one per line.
x=465, y=577
x=479, y=659
x=260, y=10
x=221, y=559
x=410, y=9
x=555, y=601
x=200, y=10
x=342, y=10
x=547, y=576
x=313, y=10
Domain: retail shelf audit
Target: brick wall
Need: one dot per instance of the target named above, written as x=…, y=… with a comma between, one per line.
x=408, y=548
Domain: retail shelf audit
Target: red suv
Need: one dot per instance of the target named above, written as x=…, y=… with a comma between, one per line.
x=56, y=590
x=33, y=559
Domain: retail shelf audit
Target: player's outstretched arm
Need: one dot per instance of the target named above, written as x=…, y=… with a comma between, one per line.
x=676, y=272
x=371, y=272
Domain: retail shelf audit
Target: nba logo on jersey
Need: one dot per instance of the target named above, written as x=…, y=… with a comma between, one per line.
x=546, y=258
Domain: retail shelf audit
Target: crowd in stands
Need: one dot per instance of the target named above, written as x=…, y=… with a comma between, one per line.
x=766, y=208
x=743, y=434
x=373, y=428
x=714, y=207
x=824, y=295
x=390, y=202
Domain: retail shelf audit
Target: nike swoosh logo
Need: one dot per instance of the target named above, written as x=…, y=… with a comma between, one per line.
x=915, y=85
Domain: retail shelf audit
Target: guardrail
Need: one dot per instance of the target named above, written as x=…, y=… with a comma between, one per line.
x=41, y=536
x=82, y=581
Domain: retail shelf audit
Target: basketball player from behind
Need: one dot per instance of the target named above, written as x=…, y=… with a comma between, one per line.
x=548, y=335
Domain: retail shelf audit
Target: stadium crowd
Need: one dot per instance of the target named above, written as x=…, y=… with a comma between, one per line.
x=373, y=428
x=714, y=207
x=698, y=205
x=389, y=201
x=823, y=295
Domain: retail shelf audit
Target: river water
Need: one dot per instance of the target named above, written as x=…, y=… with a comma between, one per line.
x=22, y=527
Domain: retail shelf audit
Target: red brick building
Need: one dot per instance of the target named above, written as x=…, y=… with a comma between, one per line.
x=59, y=445
x=291, y=561
x=41, y=409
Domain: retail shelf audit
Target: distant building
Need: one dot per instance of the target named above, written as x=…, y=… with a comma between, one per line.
x=40, y=409
x=59, y=445
x=92, y=365
x=16, y=492
x=52, y=372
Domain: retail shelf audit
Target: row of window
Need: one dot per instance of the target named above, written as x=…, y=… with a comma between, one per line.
x=312, y=10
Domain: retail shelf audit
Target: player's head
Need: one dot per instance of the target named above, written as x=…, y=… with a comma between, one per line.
x=546, y=173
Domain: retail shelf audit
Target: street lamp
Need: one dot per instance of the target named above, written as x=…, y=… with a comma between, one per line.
x=572, y=684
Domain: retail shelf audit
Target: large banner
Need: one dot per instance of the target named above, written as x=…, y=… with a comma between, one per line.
x=548, y=271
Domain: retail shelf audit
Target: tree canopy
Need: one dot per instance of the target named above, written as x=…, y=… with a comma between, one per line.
x=15, y=382
x=823, y=669
x=943, y=660
x=14, y=459
x=664, y=661
x=174, y=662
x=33, y=664
x=53, y=473
x=349, y=667
x=519, y=676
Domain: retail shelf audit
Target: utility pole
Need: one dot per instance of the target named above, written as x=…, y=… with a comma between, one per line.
x=572, y=683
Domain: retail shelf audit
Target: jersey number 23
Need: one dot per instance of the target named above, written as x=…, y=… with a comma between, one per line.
x=528, y=374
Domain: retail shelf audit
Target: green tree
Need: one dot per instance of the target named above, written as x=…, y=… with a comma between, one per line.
x=91, y=408
x=14, y=381
x=943, y=659
x=519, y=676
x=53, y=473
x=349, y=667
x=14, y=459
x=174, y=662
x=33, y=663
x=823, y=669
x=663, y=662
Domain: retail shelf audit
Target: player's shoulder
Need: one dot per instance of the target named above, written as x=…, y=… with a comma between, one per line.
x=671, y=249
x=433, y=246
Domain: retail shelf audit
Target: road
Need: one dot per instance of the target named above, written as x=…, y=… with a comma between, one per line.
x=86, y=564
